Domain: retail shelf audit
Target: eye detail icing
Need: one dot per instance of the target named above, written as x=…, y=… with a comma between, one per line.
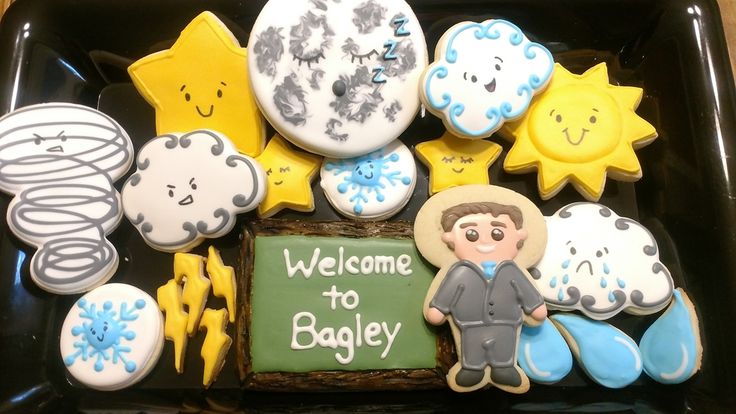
x=472, y=235
x=468, y=160
x=309, y=60
x=365, y=56
x=187, y=97
x=448, y=159
x=593, y=119
x=284, y=169
x=497, y=234
x=573, y=251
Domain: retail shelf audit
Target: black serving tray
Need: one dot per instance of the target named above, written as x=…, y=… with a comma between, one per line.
x=77, y=51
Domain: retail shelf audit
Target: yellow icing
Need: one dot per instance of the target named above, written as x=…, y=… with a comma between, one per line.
x=580, y=129
x=216, y=343
x=223, y=280
x=175, y=324
x=454, y=161
x=196, y=287
x=290, y=173
x=202, y=83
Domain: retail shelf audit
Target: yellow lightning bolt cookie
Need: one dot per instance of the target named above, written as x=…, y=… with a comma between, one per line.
x=290, y=173
x=454, y=161
x=196, y=286
x=216, y=344
x=580, y=129
x=202, y=83
x=223, y=280
x=175, y=323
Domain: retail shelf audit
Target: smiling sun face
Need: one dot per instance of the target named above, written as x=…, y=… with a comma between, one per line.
x=579, y=130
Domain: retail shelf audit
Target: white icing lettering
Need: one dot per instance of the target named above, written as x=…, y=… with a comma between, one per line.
x=366, y=265
x=403, y=265
x=325, y=265
x=390, y=336
x=341, y=253
x=345, y=340
x=299, y=267
x=372, y=330
x=329, y=266
x=348, y=300
x=385, y=265
x=350, y=265
x=359, y=329
x=297, y=329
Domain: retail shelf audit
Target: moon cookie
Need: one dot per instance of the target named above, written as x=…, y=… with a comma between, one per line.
x=339, y=78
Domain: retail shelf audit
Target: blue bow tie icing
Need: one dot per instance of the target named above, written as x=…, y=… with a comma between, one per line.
x=489, y=267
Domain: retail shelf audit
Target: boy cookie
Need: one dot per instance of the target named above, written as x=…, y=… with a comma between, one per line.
x=484, y=74
x=372, y=187
x=202, y=83
x=580, y=130
x=337, y=78
x=482, y=238
x=112, y=337
x=189, y=187
x=601, y=264
x=60, y=161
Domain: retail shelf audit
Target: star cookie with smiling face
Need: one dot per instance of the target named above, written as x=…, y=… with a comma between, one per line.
x=202, y=83
x=290, y=173
x=580, y=130
x=454, y=161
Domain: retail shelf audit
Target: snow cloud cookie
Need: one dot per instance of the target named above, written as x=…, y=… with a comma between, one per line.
x=484, y=75
x=601, y=264
x=60, y=160
x=190, y=187
x=338, y=78
x=373, y=186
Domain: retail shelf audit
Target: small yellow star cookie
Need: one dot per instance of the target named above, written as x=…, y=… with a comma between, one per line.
x=290, y=173
x=454, y=161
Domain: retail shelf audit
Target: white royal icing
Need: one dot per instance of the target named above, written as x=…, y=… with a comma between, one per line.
x=60, y=160
x=339, y=78
x=189, y=187
x=351, y=265
x=485, y=74
x=600, y=264
x=112, y=337
x=374, y=186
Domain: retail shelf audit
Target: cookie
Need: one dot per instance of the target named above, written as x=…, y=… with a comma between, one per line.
x=601, y=264
x=454, y=161
x=580, y=130
x=202, y=82
x=608, y=356
x=60, y=161
x=169, y=298
x=371, y=187
x=215, y=345
x=543, y=353
x=189, y=187
x=671, y=348
x=189, y=270
x=337, y=78
x=290, y=173
x=223, y=281
x=483, y=238
x=484, y=75
x=112, y=337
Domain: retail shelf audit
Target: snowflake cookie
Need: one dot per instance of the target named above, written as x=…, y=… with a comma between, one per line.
x=374, y=186
x=112, y=337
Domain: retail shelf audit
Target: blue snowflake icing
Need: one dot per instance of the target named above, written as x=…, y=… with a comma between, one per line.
x=99, y=336
x=369, y=175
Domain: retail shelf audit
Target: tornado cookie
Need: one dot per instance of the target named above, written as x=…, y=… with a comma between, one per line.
x=484, y=74
x=373, y=186
x=580, y=130
x=60, y=161
x=338, y=78
x=190, y=187
x=112, y=337
x=601, y=264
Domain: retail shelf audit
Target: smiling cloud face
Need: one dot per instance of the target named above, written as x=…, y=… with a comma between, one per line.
x=485, y=74
x=600, y=264
x=190, y=187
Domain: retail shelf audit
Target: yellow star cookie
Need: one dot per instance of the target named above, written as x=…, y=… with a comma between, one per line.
x=196, y=286
x=169, y=301
x=454, y=161
x=223, y=280
x=290, y=173
x=580, y=129
x=202, y=83
x=216, y=344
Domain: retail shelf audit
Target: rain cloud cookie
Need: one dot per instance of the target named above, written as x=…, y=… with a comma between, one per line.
x=190, y=187
x=484, y=74
x=601, y=264
x=338, y=78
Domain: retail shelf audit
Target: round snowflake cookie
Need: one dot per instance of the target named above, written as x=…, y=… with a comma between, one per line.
x=374, y=186
x=112, y=337
x=339, y=78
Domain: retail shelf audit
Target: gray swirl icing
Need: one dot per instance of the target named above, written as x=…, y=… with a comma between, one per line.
x=269, y=48
x=361, y=98
x=368, y=16
x=290, y=99
x=300, y=35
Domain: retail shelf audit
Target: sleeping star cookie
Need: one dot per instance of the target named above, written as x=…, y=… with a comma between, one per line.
x=373, y=186
x=59, y=161
x=580, y=130
x=202, y=83
x=338, y=78
x=190, y=187
x=112, y=337
x=601, y=264
x=484, y=74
